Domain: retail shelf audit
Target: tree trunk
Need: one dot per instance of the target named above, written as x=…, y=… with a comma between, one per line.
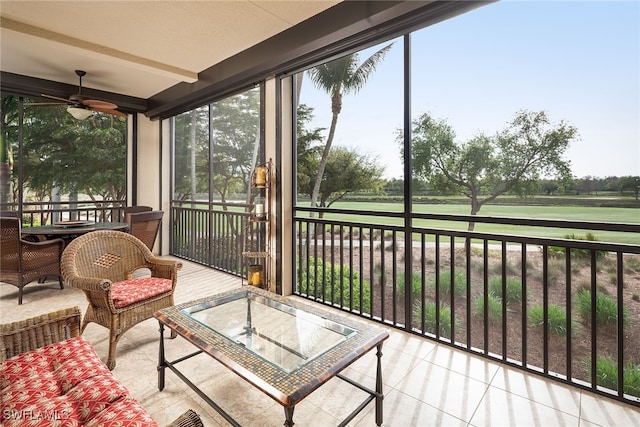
x=475, y=207
x=323, y=162
x=5, y=185
x=193, y=157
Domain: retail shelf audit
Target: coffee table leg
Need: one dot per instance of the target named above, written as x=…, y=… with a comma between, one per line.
x=288, y=413
x=161, y=360
x=379, y=395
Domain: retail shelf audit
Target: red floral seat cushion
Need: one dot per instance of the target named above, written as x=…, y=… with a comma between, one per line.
x=135, y=290
x=65, y=384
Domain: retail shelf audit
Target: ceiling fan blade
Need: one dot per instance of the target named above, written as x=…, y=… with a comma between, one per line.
x=109, y=111
x=59, y=99
x=94, y=103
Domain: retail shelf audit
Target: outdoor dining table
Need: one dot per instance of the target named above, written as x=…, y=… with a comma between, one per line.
x=69, y=230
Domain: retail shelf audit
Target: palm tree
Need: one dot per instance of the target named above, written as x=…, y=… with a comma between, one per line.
x=338, y=78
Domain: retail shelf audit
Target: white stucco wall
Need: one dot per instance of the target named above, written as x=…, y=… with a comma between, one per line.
x=152, y=150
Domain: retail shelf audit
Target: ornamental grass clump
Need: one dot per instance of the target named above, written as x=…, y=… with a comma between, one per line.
x=494, y=307
x=459, y=283
x=607, y=375
x=431, y=318
x=416, y=284
x=337, y=284
x=606, y=308
x=514, y=289
x=556, y=319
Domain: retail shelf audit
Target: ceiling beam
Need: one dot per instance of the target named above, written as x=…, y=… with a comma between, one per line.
x=93, y=50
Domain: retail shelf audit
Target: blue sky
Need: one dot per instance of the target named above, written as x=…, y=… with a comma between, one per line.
x=577, y=60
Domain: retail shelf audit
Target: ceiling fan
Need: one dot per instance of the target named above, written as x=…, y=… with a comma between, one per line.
x=82, y=107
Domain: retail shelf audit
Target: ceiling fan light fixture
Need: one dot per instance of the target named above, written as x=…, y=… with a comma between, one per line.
x=79, y=112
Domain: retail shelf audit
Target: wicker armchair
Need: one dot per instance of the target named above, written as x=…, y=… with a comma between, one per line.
x=22, y=262
x=145, y=226
x=10, y=214
x=102, y=263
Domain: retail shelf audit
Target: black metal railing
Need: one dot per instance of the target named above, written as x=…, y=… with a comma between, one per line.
x=209, y=234
x=47, y=213
x=566, y=308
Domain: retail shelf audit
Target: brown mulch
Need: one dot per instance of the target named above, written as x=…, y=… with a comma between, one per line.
x=515, y=347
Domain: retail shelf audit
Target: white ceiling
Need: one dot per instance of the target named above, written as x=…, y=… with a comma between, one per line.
x=138, y=48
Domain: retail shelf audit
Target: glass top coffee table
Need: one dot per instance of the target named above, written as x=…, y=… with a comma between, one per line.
x=285, y=349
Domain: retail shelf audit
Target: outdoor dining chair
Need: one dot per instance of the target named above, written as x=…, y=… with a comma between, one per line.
x=22, y=261
x=145, y=226
x=135, y=209
x=122, y=280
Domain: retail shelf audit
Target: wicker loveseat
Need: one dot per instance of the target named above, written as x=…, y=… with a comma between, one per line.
x=50, y=375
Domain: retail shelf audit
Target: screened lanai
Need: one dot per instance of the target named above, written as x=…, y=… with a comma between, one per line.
x=213, y=90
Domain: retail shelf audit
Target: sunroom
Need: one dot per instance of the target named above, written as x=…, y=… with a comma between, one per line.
x=214, y=90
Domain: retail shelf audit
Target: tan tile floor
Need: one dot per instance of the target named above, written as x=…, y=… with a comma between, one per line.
x=425, y=384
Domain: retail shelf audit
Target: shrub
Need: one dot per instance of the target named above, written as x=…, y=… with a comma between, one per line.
x=606, y=308
x=607, y=375
x=514, y=289
x=459, y=283
x=557, y=318
x=577, y=253
x=494, y=308
x=416, y=283
x=335, y=284
x=430, y=318
x=632, y=264
x=510, y=267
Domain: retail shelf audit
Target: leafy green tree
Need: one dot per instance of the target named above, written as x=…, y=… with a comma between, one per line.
x=62, y=153
x=74, y=156
x=348, y=171
x=308, y=149
x=485, y=167
x=338, y=78
x=234, y=137
x=236, y=141
x=8, y=140
x=191, y=154
x=630, y=184
x=585, y=185
x=549, y=186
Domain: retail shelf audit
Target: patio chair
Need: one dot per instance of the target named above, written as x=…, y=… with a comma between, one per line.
x=111, y=268
x=135, y=209
x=145, y=226
x=10, y=214
x=22, y=261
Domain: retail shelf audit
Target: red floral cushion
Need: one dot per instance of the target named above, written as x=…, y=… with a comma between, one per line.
x=135, y=290
x=65, y=384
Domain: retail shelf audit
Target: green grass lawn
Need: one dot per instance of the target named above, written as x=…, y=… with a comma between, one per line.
x=567, y=213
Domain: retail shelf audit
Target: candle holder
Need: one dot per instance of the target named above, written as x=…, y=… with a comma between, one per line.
x=259, y=208
x=259, y=211
x=254, y=275
x=260, y=176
